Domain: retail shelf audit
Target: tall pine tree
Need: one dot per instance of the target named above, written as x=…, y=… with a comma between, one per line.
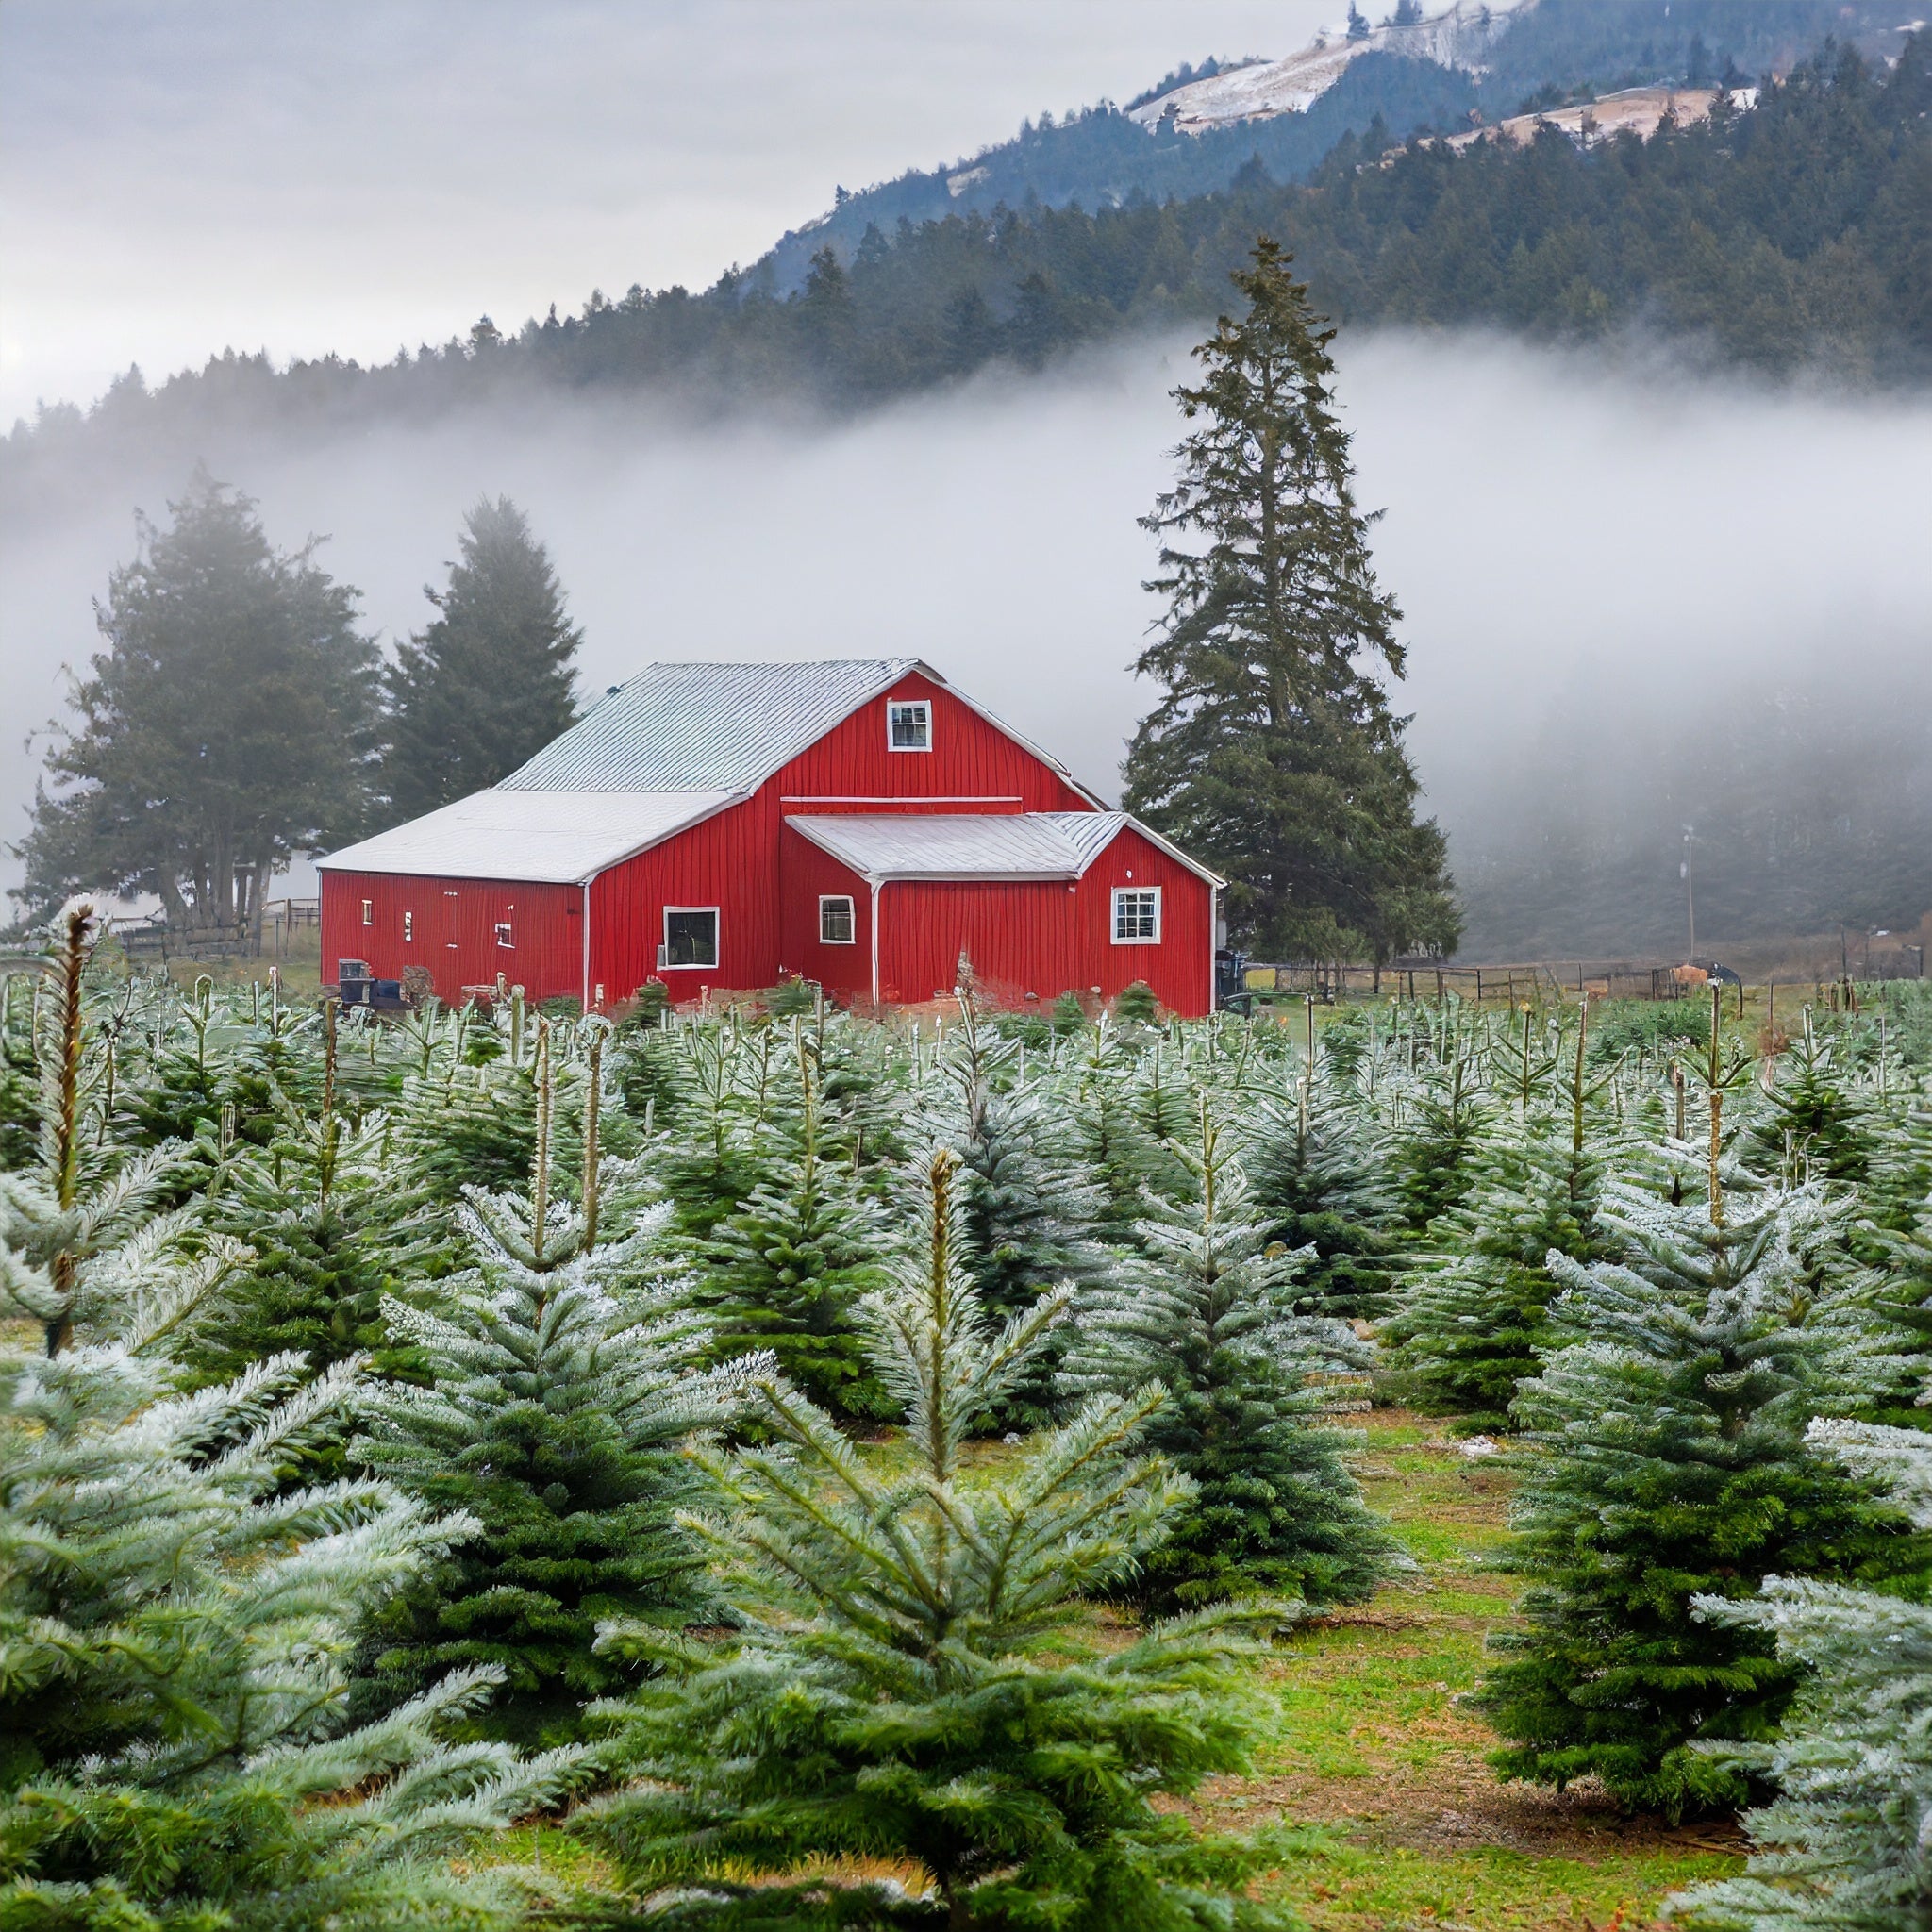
x=488, y=685
x=1273, y=752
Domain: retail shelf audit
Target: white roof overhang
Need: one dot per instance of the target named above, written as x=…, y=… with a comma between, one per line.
x=560, y=838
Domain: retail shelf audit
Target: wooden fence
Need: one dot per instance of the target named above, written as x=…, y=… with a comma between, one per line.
x=1510, y=984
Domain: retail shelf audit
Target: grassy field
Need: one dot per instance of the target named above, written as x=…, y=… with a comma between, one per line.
x=1375, y=1783
x=1395, y=1818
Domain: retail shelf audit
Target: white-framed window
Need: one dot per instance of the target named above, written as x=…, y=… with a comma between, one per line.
x=505, y=935
x=1137, y=915
x=691, y=936
x=909, y=724
x=836, y=926
x=408, y=927
x=369, y=912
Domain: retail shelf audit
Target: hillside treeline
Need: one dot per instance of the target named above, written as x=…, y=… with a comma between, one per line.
x=1797, y=233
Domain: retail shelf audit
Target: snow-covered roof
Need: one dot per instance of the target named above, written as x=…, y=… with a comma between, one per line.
x=552, y=837
x=707, y=727
x=974, y=845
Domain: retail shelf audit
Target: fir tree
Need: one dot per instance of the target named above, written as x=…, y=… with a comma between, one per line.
x=561, y=1375
x=908, y=1684
x=1313, y=1172
x=228, y=725
x=488, y=684
x=1026, y=1209
x=1472, y=1317
x=1669, y=1421
x=1105, y=1132
x=1252, y=1397
x=1272, y=753
x=177, y=1620
x=1842, y=1846
x=784, y=1272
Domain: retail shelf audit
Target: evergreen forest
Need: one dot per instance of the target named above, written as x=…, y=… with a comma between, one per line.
x=1415, y=1462
x=1793, y=236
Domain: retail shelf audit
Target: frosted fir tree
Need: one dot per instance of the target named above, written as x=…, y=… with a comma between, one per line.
x=335, y=1221
x=1253, y=1390
x=1471, y=1316
x=82, y=1228
x=784, y=1272
x=178, y=1619
x=1668, y=1425
x=909, y=1684
x=1816, y=1123
x=1843, y=1845
x=1105, y=1132
x=1026, y=1209
x=563, y=1372
x=1311, y=1163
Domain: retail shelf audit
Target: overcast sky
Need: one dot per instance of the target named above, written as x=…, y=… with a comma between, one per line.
x=181, y=175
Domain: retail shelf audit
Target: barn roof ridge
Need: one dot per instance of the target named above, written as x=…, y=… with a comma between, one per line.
x=692, y=725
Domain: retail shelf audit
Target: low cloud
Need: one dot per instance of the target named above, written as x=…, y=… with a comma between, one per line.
x=1597, y=567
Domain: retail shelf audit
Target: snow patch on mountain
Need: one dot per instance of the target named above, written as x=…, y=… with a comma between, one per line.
x=1455, y=34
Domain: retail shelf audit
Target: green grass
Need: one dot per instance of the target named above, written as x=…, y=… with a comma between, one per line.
x=1378, y=1778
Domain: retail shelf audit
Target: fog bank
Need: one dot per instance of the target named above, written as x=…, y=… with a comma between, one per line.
x=1611, y=581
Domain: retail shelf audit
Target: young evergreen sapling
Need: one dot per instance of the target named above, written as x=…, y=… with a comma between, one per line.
x=908, y=1687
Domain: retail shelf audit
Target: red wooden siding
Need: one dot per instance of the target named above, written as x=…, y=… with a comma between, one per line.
x=453, y=931
x=805, y=870
x=970, y=767
x=1044, y=938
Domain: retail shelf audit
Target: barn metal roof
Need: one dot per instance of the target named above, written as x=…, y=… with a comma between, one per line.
x=964, y=845
x=707, y=727
x=553, y=837
x=975, y=845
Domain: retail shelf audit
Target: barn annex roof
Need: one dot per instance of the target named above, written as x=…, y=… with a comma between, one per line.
x=975, y=846
x=551, y=837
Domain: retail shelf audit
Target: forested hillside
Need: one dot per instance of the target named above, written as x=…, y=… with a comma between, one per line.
x=1543, y=53
x=1797, y=233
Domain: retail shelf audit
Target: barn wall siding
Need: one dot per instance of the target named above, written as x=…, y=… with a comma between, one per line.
x=1047, y=937
x=453, y=931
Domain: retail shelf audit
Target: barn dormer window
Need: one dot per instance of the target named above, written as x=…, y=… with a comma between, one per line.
x=909, y=724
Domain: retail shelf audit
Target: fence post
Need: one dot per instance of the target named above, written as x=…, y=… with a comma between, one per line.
x=1479, y=986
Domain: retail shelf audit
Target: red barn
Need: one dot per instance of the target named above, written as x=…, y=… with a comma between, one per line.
x=860, y=822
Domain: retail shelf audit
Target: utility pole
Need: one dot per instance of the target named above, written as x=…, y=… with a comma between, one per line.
x=1690, y=892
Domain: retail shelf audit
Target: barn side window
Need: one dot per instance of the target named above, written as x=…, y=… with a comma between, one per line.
x=504, y=935
x=835, y=919
x=908, y=725
x=369, y=912
x=1137, y=915
x=408, y=927
x=690, y=936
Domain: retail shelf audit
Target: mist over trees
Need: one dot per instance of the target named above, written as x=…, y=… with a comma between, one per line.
x=488, y=684
x=237, y=716
x=230, y=724
x=1272, y=753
